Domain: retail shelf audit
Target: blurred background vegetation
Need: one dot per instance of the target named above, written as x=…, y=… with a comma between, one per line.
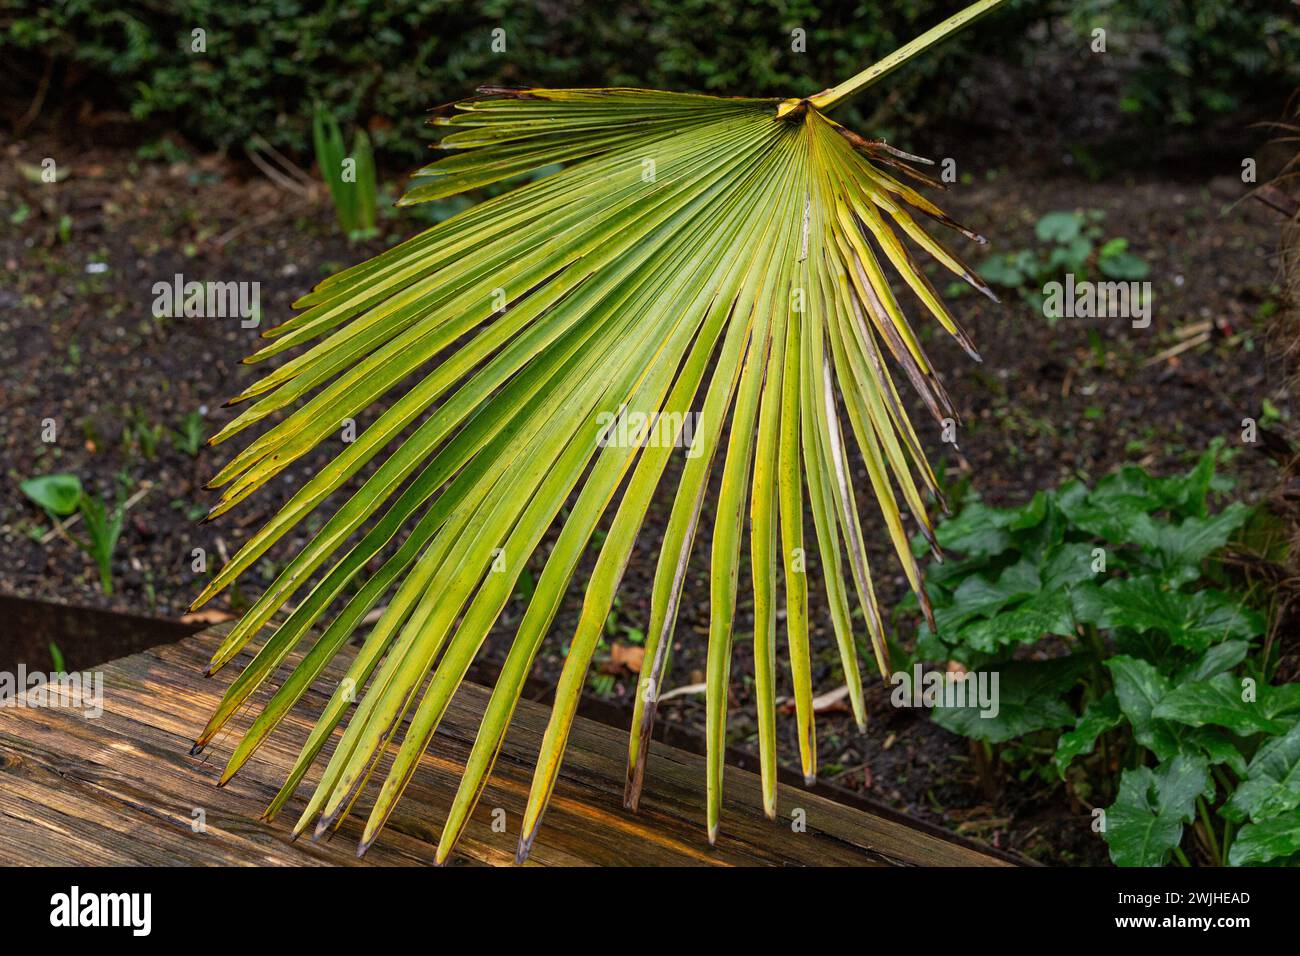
x=1178, y=63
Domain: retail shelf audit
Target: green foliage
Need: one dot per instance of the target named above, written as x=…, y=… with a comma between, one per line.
x=188, y=436
x=140, y=433
x=1272, y=784
x=58, y=494
x=103, y=529
x=1106, y=617
x=61, y=496
x=1031, y=698
x=1069, y=242
x=1213, y=57
x=378, y=62
x=1147, y=818
x=351, y=179
x=1269, y=799
x=1268, y=841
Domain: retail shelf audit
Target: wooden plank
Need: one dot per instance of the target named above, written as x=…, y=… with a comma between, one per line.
x=122, y=788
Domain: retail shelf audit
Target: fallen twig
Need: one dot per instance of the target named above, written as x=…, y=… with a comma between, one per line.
x=1274, y=198
x=1178, y=349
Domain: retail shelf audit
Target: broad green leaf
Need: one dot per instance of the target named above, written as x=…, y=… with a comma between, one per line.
x=1193, y=621
x=1048, y=613
x=1217, y=745
x=1124, y=265
x=1266, y=841
x=1030, y=696
x=1140, y=688
x=1145, y=823
x=1125, y=500
x=1187, y=495
x=1182, y=547
x=977, y=531
x=1069, y=565
x=1059, y=226
x=1029, y=515
x=1040, y=533
x=1218, y=659
x=938, y=575
x=1221, y=701
x=929, y=647
x=977, y=596
x=1110, y=510
x=1100, y=716
x=1272, y=784
x=58, y=494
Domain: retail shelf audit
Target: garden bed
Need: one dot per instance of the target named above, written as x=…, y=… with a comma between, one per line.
x=79, y=344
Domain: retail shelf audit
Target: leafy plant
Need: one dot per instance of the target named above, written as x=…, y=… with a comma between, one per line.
x=62, y=495
x=1215, y=57
x=1114, y=631
x=189, y=436
x=57, y=665
x=103, y=529
x=686, y=238
x=58, y=494
x=376, y=60
x=142, y=433
x=351, y=179
x=1069, y=242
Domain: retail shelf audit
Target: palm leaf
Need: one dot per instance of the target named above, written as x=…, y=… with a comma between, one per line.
x=694, y=254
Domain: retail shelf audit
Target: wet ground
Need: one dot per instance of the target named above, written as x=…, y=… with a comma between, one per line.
x=80, y=345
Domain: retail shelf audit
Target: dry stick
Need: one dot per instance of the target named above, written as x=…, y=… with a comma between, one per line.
x=289, y=166
x=683, y=691
x=1178, y=349
x=1274, y=198
x=280, y=179
x=257, y=223
x=290, y=178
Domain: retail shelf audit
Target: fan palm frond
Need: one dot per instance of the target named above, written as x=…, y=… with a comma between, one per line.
x=728, y=259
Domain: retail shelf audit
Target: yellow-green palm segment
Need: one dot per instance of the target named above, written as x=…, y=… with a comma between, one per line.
x=724, y=259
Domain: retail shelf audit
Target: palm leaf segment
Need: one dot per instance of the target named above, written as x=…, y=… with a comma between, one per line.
x=725, y=257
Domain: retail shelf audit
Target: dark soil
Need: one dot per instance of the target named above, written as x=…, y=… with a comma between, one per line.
x=1048, y=403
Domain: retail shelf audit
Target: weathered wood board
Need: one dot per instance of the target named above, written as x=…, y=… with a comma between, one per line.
x=122, y=788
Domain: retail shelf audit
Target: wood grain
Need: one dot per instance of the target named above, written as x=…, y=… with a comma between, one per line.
x=123, y=789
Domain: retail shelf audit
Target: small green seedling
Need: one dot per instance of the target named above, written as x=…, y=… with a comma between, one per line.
x=143, y=434
x=104, y=528
x=351, y=179
x=61, y=496
x=188, y=437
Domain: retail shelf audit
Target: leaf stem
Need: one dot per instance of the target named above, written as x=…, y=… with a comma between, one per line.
x=1209, y=828
x=836, y=94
